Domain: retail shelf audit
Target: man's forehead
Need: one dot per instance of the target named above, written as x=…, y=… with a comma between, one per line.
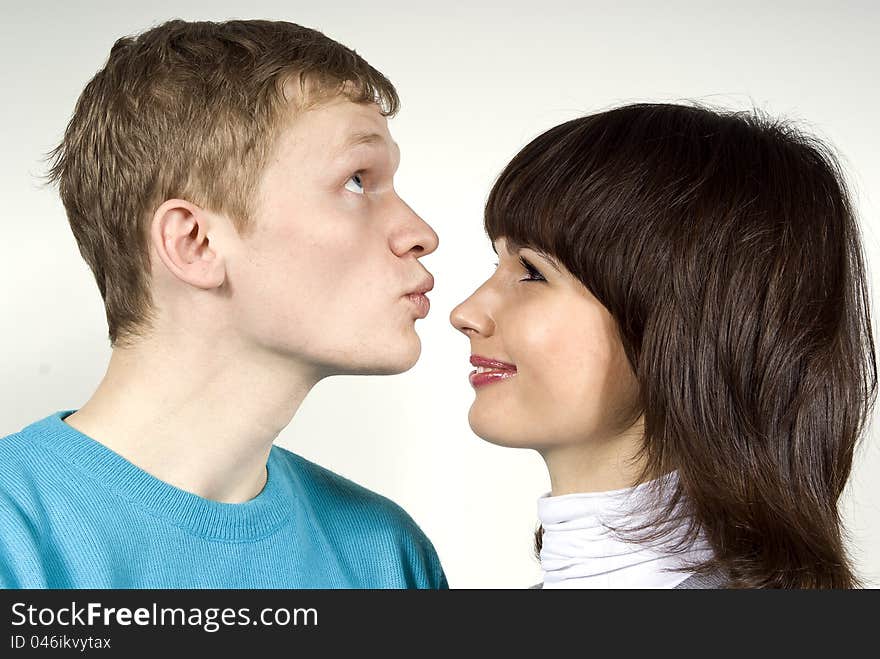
x=364, y=125
x=334, y=129
x=355, y=124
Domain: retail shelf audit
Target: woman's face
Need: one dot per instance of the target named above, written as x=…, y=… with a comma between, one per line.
x=572, y=383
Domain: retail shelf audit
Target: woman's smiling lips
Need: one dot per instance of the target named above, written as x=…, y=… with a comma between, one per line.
x=489, y=370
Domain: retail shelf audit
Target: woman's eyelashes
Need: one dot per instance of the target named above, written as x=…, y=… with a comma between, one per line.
x=534, y=275
x=355, y=183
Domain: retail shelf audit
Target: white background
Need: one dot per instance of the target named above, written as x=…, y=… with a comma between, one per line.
x=476, y=83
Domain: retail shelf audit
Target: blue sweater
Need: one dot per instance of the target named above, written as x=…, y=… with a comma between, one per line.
x=74, y=514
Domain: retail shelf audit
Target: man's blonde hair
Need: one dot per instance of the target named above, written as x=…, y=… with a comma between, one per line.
x=192, y=111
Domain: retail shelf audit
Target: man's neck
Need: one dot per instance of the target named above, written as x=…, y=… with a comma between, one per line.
x=200, y=416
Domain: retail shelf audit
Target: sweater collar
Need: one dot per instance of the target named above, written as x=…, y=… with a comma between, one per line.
x=213, y=520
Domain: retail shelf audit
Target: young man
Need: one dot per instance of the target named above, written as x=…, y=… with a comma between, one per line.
x=230, y=185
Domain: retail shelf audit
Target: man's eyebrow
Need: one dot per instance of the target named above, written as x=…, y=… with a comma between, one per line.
x=370, y=139
x=356, y=139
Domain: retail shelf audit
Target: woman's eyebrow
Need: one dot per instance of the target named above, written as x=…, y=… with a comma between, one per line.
x=512, y=247
x=549, y=259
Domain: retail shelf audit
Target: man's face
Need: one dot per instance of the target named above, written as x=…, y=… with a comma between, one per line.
x=324, y=274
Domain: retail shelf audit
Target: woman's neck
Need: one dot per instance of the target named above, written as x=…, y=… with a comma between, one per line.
x=597, y=464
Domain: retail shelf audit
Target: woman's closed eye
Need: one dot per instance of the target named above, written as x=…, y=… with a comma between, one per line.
x=534, y=274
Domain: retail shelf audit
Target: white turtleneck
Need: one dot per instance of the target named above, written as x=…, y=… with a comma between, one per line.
x=578, y=551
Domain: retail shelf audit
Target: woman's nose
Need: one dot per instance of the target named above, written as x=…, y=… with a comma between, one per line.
x=473, y=315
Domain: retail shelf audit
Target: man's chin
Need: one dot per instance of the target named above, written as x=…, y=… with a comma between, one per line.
x=401, y=365
x=393, y=364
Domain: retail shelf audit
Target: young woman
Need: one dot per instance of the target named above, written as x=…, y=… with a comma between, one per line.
x=679, y=324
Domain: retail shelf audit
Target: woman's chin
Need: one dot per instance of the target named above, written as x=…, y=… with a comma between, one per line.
x=497, y=431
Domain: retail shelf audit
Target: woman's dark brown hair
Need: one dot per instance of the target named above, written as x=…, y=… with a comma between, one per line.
x=725, y=246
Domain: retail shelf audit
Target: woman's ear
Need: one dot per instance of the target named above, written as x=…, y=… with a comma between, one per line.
x=181, y=235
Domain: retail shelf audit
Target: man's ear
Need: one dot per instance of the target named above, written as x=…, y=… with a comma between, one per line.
x=181, y=235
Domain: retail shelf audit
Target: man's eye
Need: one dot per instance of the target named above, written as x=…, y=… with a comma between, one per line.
x=355, y=184
x=534, y=275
